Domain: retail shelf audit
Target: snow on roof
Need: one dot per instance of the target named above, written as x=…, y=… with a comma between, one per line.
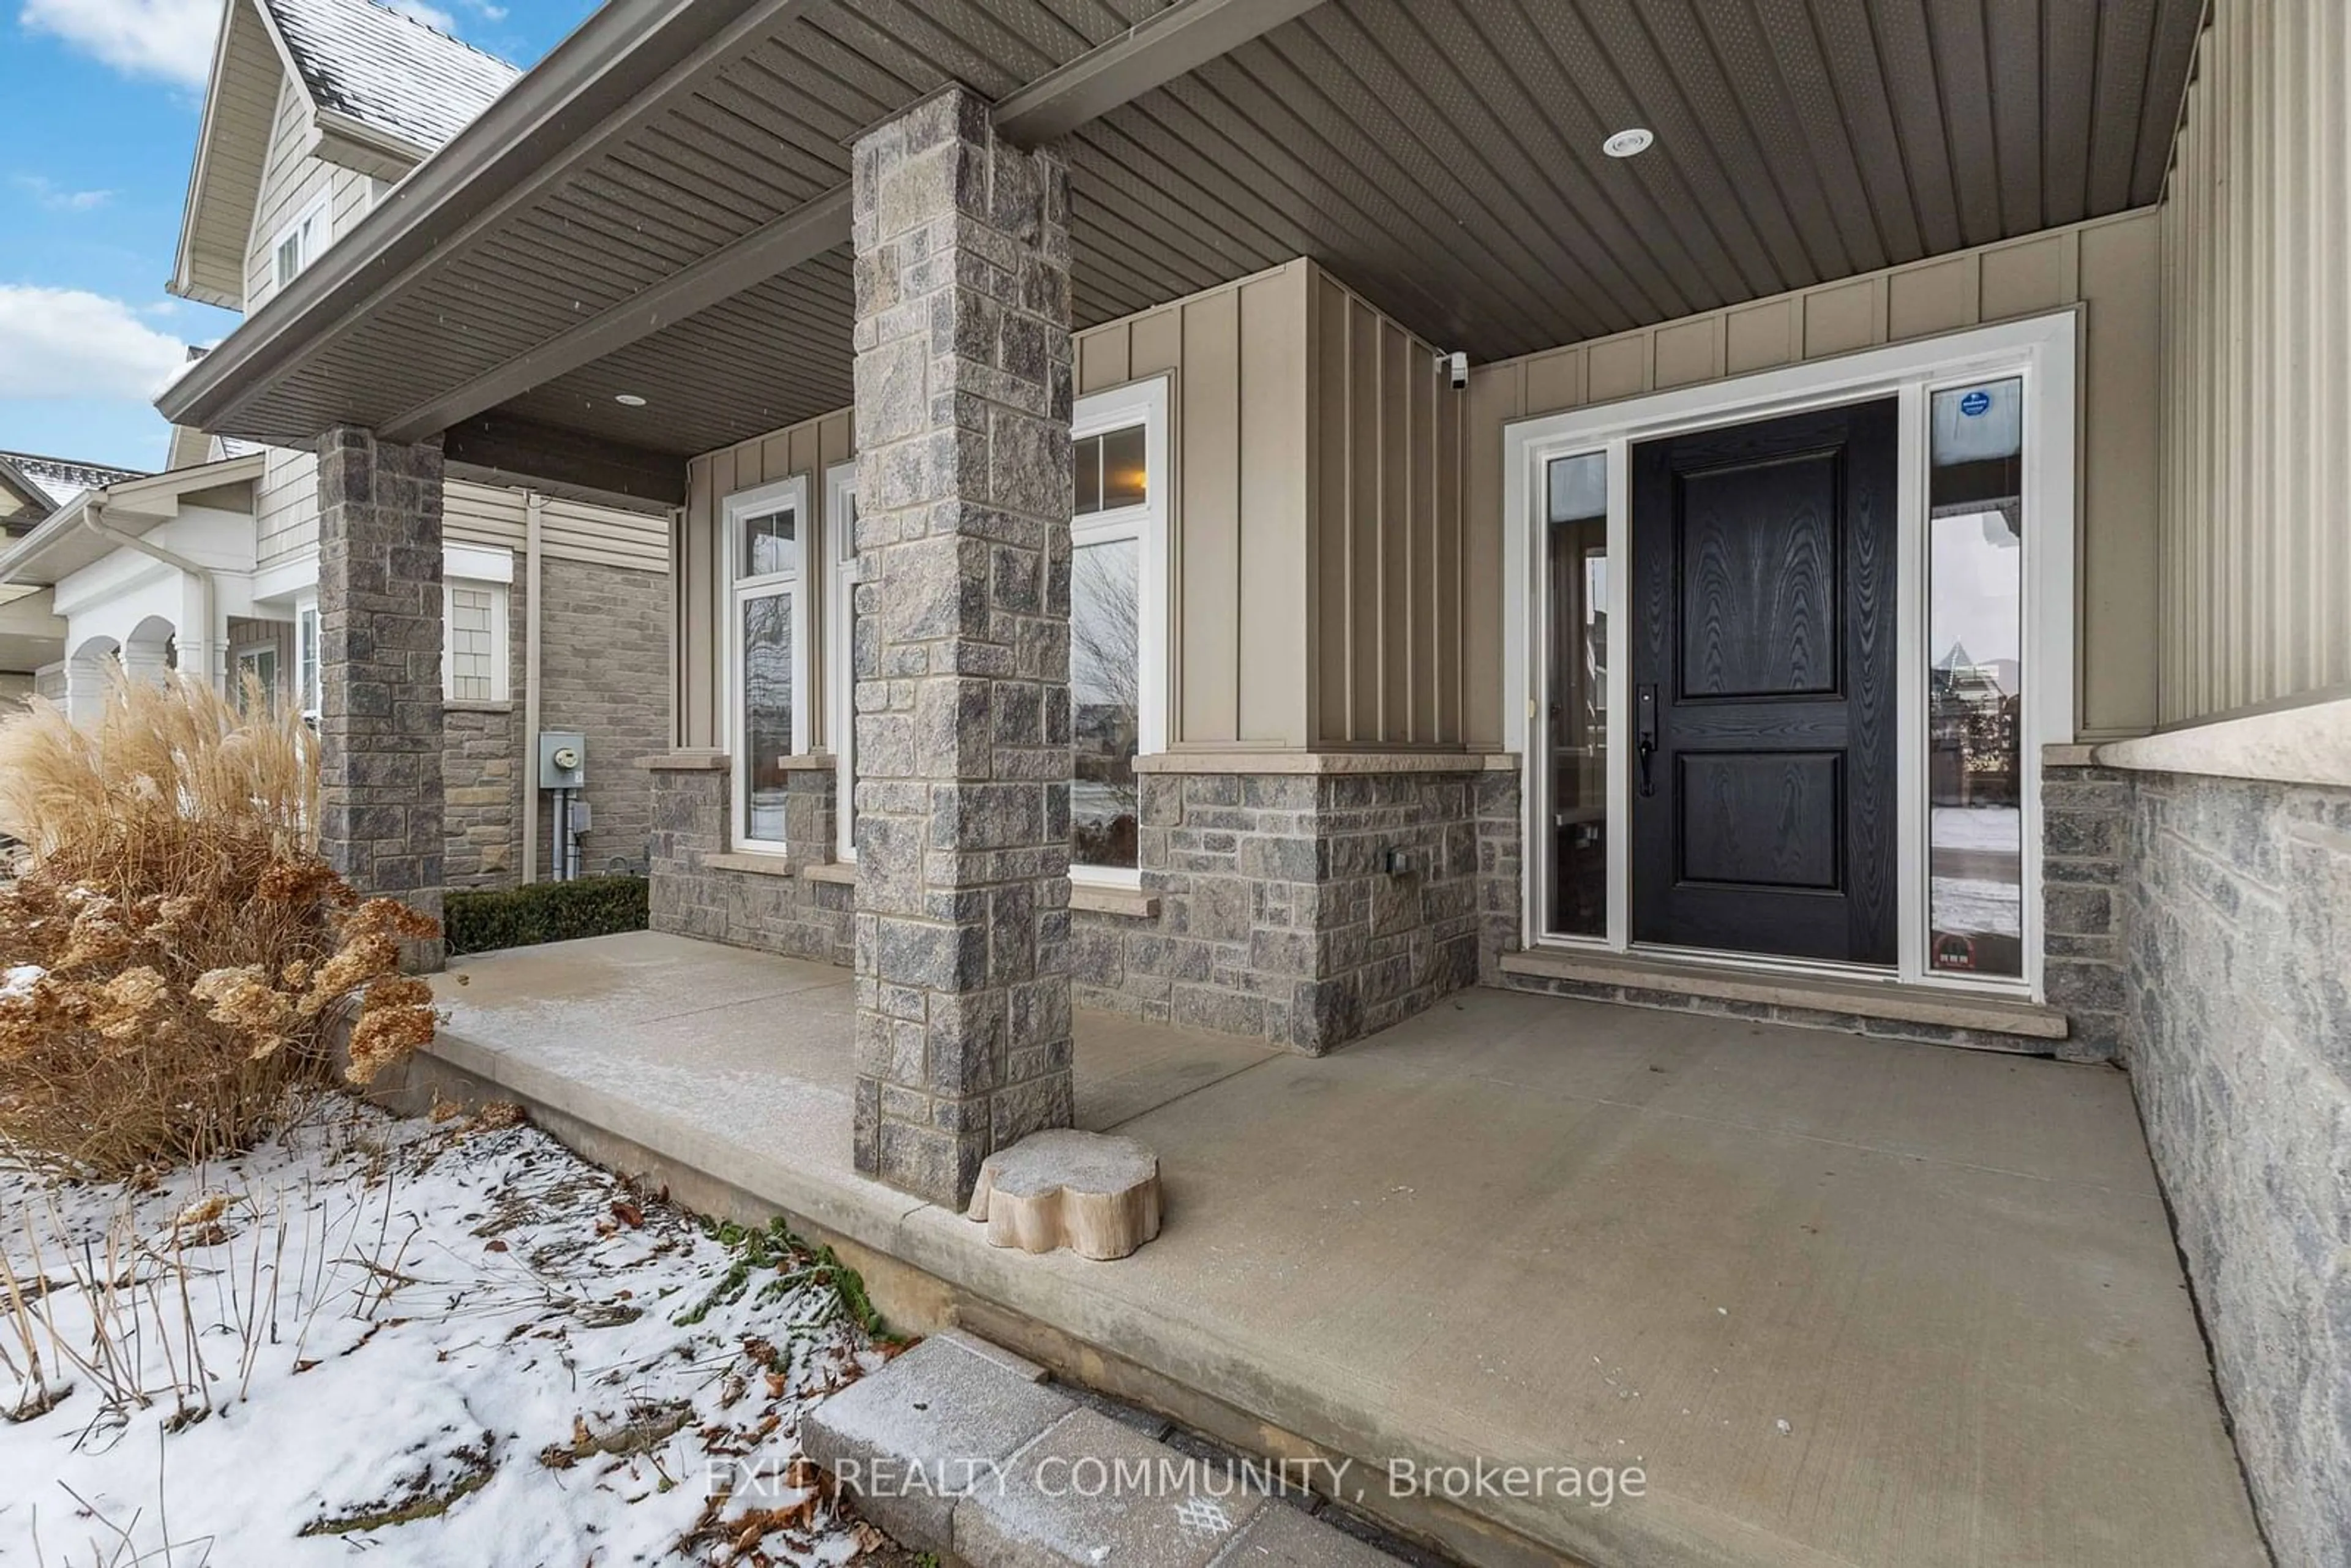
x=62, y=479
x=388, y=71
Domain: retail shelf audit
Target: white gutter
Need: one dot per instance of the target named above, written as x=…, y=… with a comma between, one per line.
x=93, y=517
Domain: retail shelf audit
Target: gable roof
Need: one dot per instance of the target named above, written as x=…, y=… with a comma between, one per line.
x=377, y=83
x=62, y=479
x=386, y=70
x=23, y=502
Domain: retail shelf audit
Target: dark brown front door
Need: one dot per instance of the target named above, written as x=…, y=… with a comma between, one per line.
x=1763, y=670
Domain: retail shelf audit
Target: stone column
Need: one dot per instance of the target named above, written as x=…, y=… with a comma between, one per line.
x=963, y=670
x=379, y=666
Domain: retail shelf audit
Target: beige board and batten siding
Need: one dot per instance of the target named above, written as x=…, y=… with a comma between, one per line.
x=1238, y=544
x=1387, y=560
x=806, y=449
x=2256, y=364
x=1239, y=540
x=2110, y=266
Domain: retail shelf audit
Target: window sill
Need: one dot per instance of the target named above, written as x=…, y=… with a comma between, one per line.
x=756, y=864
x=1096, y=898
x=477, y=705
x=841, y=873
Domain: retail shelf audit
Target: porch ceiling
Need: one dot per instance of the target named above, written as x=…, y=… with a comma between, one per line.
x=658, y=207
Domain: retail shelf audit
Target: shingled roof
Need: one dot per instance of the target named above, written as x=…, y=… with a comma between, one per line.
x=388, y=71
x=63, y=478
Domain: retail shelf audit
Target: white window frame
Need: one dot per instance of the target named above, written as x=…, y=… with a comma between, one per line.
x=841, y=654
x=1144, y=402
x=309, y=659
x=242, y=655
x=2042, y=353
x=501, y=652
x=739, y=508
x=313, y=227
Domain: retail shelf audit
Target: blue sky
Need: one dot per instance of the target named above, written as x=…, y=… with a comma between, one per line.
x=103, y=101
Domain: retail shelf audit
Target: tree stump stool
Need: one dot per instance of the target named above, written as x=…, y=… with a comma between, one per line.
x=1093, y=1193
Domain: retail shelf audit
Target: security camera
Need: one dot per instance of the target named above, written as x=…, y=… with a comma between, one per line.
x=1457, y=369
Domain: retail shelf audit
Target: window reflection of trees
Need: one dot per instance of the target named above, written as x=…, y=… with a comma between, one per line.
x=1105, y=701
x=766, y=710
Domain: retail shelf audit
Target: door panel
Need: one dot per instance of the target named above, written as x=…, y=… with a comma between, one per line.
x=1763, y=674
x=1759, y=595
x=1760, y=819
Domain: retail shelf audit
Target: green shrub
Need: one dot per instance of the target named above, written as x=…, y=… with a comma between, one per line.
x=544, y=912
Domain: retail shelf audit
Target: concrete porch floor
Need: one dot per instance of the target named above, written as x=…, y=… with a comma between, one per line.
x=1538, y=1231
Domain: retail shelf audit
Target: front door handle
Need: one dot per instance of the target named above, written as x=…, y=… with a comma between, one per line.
x=1645, y=719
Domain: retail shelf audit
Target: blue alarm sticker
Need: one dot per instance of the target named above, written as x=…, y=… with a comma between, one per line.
x=1975, y=403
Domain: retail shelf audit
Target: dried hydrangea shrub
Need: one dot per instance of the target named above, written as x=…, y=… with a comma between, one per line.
x=177, y=957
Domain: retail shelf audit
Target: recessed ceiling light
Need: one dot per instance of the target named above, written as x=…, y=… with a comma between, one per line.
x=1624, y=143
x=627, y=400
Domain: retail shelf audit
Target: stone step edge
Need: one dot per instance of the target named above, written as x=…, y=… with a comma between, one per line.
x=1885, y=1000
x=1009, y=1382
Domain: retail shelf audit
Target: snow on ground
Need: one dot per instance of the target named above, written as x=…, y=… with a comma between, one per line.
x=1997, y=828
x=437, y=1343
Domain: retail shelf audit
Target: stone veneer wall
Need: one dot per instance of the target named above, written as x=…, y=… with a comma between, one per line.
x=481, y=779
x=2238, y=981
x=2085, y=832
x=778, y=909
x=1277, y=919
x=604, y=671
x=380, y=645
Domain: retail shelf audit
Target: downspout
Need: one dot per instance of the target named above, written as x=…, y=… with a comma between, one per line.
x=534, y=509
x=93, y=517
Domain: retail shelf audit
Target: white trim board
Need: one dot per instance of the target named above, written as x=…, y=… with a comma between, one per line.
x=2042, y=352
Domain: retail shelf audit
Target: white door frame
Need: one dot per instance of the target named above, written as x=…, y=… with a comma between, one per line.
x=2042, y=352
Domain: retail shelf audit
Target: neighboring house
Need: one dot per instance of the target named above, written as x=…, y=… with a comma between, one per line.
x=557, y=613
x=1267, y=518
x=32, y=639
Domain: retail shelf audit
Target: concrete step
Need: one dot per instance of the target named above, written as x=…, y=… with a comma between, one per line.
x=961, y=1447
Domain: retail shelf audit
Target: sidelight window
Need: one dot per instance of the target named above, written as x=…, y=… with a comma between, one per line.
x=1975, y=680
x=840, y=650
x=1118, y=653
x=768, y=663
x=1575, y=713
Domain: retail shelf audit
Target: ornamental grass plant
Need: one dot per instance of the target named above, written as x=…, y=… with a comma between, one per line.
x=176, y=959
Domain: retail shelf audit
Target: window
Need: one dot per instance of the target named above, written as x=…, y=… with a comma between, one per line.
x=1975, y=680
x=299, y=243
x=1574, y=719
x=473, y=641
x=1118, y=637
x=308, y=681
x=767, y=654
x=256, y=674
x=840, y=650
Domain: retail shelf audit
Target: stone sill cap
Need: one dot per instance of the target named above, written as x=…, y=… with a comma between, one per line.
x=477, y=705
x=1319, y=762
x=718, y=762
x=756, y=864
x=2298, y=741
x=1089, y=897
